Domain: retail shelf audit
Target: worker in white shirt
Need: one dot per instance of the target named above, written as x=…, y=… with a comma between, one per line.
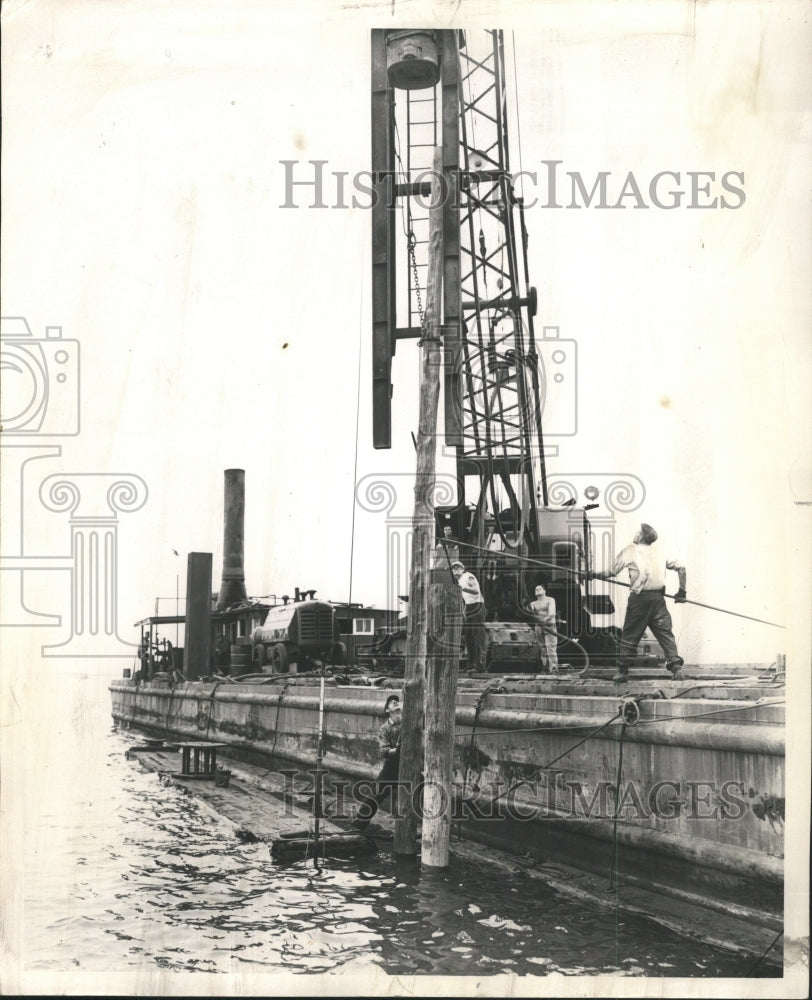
x=646, y=607
x=544, y=609
x=473, y=628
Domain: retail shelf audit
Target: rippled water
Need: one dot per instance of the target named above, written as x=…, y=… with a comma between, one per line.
x=123, y=871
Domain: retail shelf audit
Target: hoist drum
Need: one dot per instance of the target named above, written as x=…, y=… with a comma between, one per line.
x=412, y=60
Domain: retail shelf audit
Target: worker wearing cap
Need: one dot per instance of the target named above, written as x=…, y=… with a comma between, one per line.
x=474, y=615
x=646, y=607
x=389, y=748
x=546, y=637
x=446, y=550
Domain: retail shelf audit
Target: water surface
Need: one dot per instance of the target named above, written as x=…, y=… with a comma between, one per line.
x=124, y=870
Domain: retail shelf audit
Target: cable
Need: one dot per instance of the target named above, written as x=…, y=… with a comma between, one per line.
x=753, y=968
x=479, y=701
x=717, y=711
x=619, y=583
x=355, y=466
x=276, y=725
x=211, y=706
x=613, y=870
x=516, y=100
x=169, y=706
x=555, y=760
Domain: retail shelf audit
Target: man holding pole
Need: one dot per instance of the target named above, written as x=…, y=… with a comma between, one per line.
x=544, y=609
x=646, y=607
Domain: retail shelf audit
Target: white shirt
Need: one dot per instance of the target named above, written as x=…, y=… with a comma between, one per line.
x=470, y=581
x=646, y=567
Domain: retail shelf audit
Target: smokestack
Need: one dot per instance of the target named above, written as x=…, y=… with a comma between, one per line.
x=232, y=586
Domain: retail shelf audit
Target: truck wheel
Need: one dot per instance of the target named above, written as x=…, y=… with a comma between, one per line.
x=259, y=656
x=339, y=654
x=279, y=658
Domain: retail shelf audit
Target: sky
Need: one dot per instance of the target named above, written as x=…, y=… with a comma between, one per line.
x=142, y=193
x=143, y=183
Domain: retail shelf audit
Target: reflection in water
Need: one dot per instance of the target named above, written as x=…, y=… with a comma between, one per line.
x=124, y=870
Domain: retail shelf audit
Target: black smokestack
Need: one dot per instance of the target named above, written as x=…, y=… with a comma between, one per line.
x=232, y=587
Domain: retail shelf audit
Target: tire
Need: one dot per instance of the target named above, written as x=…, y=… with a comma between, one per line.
x=280, y=659
x=339, y=654
x=258, y=657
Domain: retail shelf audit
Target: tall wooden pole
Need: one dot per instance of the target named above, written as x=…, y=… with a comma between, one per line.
x=445, y=632
x=411, y=745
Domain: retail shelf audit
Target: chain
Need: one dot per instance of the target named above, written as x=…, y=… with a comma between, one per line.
x=413, y=258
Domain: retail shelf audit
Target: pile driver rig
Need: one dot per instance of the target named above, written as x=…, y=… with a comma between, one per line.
x=448, y=89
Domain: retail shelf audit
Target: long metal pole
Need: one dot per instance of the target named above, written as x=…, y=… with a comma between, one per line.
x=319, y=757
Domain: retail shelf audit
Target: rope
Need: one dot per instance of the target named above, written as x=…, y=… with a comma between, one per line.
x=276, y=724
x=355, y=466
x=575, y=746
x=479, y=701
x=613, y=870
x=718, y=711
x=617, y=583
x=169, y=706
x=772, y=944
x=516, y=100
x=211, y=706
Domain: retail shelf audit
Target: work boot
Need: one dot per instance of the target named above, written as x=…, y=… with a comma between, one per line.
x=622, y=676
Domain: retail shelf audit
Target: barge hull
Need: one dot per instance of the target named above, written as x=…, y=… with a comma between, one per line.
x=688, y=801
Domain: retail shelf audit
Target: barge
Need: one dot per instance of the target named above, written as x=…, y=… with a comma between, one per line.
x=672, y=787
x=676, y=788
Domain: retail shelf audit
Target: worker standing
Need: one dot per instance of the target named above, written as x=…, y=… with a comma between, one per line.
x=389, y=748
x=646, y=607
x=473, y=627
x=544, y=609
x=446, y=551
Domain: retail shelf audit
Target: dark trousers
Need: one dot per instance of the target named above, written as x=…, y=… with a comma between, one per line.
x=647, y=610
x=475, y=639
x=387, y=782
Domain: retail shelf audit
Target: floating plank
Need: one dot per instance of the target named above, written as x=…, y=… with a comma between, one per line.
x=335, y=845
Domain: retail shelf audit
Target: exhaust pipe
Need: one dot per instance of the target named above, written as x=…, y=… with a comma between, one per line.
x=232, y=586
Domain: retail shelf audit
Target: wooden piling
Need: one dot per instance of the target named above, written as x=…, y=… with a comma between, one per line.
x=442, y=663
x=411, y=753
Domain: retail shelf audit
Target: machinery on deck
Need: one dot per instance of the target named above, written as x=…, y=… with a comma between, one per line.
x=300, y=632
